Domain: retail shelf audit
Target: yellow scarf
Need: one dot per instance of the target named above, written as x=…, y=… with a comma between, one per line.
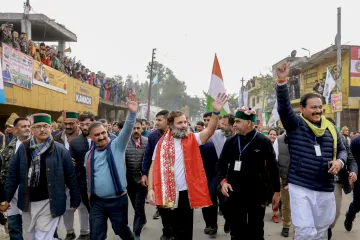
x=325, y=124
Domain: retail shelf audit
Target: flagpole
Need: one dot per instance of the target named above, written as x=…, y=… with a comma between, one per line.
x=338, y=45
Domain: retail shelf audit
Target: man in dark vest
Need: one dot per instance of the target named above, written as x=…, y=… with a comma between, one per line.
x=134, y=156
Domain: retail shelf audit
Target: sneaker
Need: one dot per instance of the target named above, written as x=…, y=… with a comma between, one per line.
x=348, y=223
x=84, y=237
x=275, y=218
x=156, y=215
x=285, y=232
x=213, y=231
x=70, y=236
x=227, y=227
x=329, y=234
x=207, y=230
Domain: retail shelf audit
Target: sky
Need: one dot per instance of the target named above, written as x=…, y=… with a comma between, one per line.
x=117, y=36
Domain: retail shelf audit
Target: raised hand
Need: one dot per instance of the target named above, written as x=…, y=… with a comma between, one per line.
x=132, y=103
x=219, y=102
x=282, y=71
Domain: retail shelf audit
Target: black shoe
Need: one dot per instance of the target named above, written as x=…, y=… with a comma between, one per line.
x=156, y=215
x=329, y=234
x=207, y=230
x=348, y=223
x=227, y=227
x=285, y=232
x=221, y=213
x=70, y=236
x=213, y=231
x=84, y=237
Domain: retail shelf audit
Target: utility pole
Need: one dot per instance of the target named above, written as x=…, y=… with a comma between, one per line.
x=150, y=84
x=242, y=92
x=338, y=53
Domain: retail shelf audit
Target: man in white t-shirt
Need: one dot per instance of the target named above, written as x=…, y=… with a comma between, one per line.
x=177, y=177
x=22, y=133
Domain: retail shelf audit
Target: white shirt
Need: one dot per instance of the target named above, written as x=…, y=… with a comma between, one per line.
x=179, y=163
x=18, y=143
x=89, y=141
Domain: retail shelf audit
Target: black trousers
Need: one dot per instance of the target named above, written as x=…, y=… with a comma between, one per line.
x=83, y=191
x=182, y=218
x=247, y=218
x=165, y=219
x=210, y=213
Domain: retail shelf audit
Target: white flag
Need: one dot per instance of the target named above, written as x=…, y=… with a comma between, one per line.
x=329, y=85
x=274, y=116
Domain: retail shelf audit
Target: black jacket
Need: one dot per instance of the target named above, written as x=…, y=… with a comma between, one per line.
x=59, y=171
x=258, y=160
x=283, y=158
x=134, y=160
x=79, y=146
x=351, y=166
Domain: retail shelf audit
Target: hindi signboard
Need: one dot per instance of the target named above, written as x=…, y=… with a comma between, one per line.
x=17, y=67
x=336, y=102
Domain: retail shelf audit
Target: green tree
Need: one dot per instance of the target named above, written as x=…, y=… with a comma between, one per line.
x=265, y=89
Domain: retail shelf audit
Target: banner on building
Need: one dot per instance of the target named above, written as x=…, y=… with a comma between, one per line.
x=329, y=86
x=336, y=102
x=17, y=67
x=50, y=78
x=2, y=92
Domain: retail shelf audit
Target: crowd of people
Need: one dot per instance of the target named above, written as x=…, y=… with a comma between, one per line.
x=110, y=89
x=305, y=166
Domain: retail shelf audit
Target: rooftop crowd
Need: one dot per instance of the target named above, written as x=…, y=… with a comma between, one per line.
x=110, y=90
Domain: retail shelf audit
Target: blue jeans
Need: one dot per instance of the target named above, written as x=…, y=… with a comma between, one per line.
x=137, y=194
x=15, y=227
x=115, y=209
x=354, y=207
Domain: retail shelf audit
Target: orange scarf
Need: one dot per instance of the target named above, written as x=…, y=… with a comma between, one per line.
x=164, y=175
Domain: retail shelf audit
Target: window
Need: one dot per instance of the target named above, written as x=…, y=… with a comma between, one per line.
x=253, y=102
x=258, y=99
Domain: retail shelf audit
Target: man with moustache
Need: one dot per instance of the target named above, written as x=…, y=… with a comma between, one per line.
x=22, y=133
x=107, y=126
x=316, y=155
x=79, y=146
x=246, y=167
x=134, y=156
x=39, y=170
x=70, y=131
x=177, y=178
x=161, y=126
x=106, y=177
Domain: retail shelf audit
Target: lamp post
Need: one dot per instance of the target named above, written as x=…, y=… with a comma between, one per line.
x=307, y=51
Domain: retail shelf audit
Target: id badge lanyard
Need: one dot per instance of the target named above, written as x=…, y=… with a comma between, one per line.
x=237, y=166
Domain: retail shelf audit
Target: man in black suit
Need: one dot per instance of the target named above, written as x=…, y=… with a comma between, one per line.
x=78, y=148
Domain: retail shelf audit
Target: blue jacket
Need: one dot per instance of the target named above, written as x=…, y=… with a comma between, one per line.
x=153, y=139
x=60, y=171
x=306, y=169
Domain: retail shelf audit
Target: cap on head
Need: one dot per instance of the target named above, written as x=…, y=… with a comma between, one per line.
x=246, y=114
x=69, y=115
x=40, y=117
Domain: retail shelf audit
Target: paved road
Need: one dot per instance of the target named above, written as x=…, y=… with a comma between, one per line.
x=272, y=230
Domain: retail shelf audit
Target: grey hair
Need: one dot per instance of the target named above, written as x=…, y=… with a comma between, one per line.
x=94, y=124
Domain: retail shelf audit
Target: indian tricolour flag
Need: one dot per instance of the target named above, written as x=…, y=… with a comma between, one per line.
x=216, y=87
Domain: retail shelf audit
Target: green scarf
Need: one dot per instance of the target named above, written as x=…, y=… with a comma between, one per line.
x=325, y=124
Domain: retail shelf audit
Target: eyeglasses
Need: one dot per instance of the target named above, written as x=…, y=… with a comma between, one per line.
x=39, y=127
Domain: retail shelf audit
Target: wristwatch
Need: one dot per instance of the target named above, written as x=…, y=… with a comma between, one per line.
x=2, y=203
